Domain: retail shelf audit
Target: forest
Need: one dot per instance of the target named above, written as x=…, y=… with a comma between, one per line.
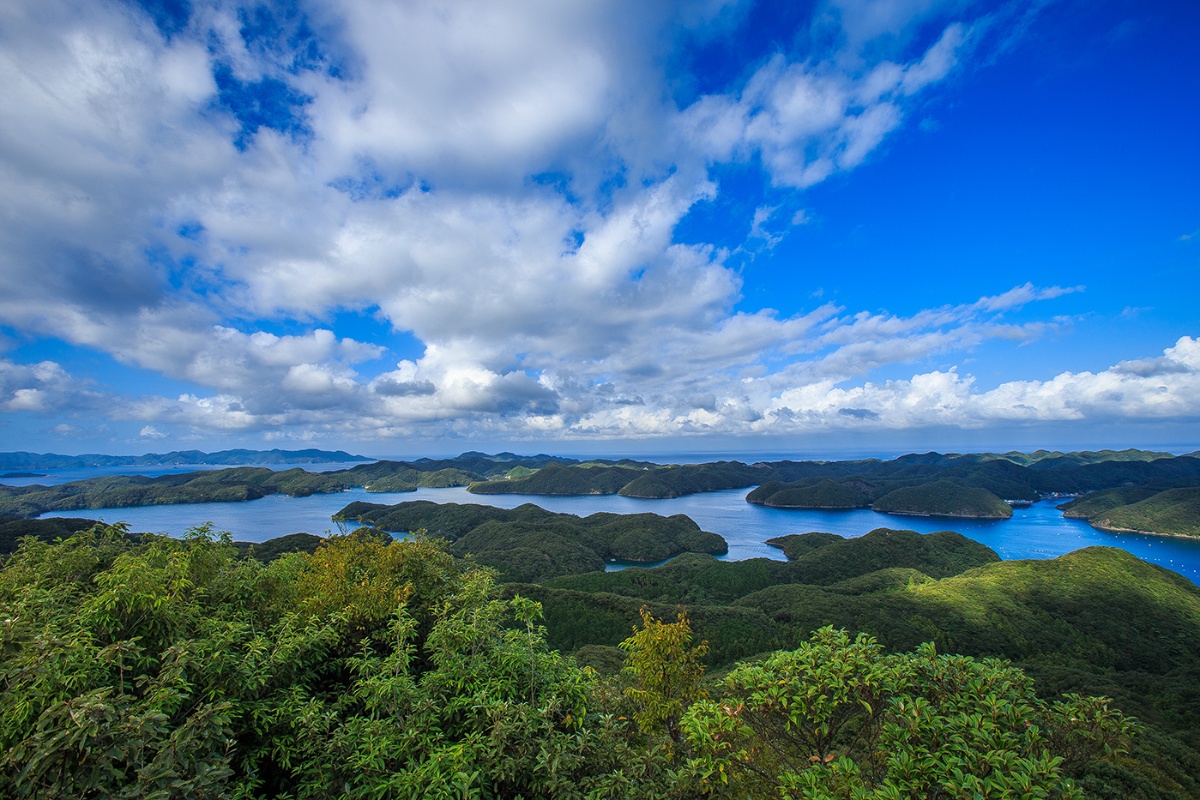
x=361, y=665
x=979, y=486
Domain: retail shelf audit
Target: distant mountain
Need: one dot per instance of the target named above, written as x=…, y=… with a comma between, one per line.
x=22, y=460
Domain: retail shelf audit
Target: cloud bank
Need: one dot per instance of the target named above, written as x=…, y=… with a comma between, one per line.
x=202, y=195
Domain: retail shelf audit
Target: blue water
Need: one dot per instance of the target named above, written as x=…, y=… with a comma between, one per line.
x=1039, y=531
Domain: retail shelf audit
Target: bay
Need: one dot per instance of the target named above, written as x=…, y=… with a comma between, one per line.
x=1039, y=531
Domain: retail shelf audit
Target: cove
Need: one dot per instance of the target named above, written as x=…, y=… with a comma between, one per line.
x=1039, y=531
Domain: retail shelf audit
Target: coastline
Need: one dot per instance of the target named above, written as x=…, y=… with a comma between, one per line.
x=1116, y=530
x=945, y=516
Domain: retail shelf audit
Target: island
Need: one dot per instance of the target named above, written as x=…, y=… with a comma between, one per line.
x=969, y=486
x=1141, y=509
x=488, y=615
x=239, y=484
x=528, y=543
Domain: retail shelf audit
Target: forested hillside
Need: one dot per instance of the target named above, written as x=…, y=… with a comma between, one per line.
x=528, y=543
x=151, y=667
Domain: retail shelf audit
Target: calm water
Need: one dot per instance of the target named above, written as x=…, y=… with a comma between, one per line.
x=1039, y=531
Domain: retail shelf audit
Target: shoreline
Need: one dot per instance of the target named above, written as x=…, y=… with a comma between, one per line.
x=1118, y=531
x=946, y=516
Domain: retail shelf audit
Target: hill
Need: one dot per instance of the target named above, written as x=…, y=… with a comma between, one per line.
x=172, y=668
x=528, y=543
x=812, y=493
x=238, y=484
x=1095, y=621
x=944, y=499
x=1141, y=509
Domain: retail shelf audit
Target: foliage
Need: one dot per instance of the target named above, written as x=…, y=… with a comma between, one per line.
x=279, y=546
x=175, y=457
x=794, y=545
x=1174, y=511
x=47, y=530
x=838, y=718
x=529, y=544
x=1013, y=476
x=810, y=493
x=664, y=672
x=819, y=559
x=555, y=479
x=944, y=499
x=1096, y=503
x=239, y=484
x=164, y=668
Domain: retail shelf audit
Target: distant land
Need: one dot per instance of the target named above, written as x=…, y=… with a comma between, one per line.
x=1127, y=490
x=27, y=461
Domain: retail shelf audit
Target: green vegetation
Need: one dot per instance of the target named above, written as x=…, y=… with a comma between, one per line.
x=784, y=484
x=1098, y=621
x=169, y=669
x=810, y=493
x=1096, y=503
x=555, y=479
x=944, y=499
x=12, y=530
x=953, y=485
x=695, y=580
x=172, y=668
x=531, y=544
x=146, y=667
x=250, y=483
x=839, y=718
x=1142, y=509
x=278, y=547
x=1175, y=512
x=54, y=528
x=795, y=545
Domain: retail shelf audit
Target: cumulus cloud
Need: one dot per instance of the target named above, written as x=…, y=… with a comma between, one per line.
x=503, y=185
x=1162, y=388
x=45, y=387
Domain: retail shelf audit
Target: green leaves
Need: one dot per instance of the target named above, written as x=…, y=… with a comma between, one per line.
x=164, y=668
x=664, y=672
x=838, y=718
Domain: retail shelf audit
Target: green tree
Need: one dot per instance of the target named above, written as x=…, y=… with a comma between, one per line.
x=663, y=671
x=838, y=718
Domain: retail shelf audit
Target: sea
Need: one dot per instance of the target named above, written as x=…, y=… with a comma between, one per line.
x=1033, y=532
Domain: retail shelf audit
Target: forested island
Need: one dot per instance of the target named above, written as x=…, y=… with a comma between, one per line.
x=361, y=666
x=1158, y=490
x=1141, y=509
x=250, y=483
x=528, y=543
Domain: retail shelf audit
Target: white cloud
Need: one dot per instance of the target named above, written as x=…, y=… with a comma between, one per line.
x=44, y=387
x=504, y=184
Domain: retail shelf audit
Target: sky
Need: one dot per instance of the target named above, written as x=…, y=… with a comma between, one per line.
x=609, y=226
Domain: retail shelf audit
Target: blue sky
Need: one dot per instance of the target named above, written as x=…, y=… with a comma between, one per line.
x=423, y=227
